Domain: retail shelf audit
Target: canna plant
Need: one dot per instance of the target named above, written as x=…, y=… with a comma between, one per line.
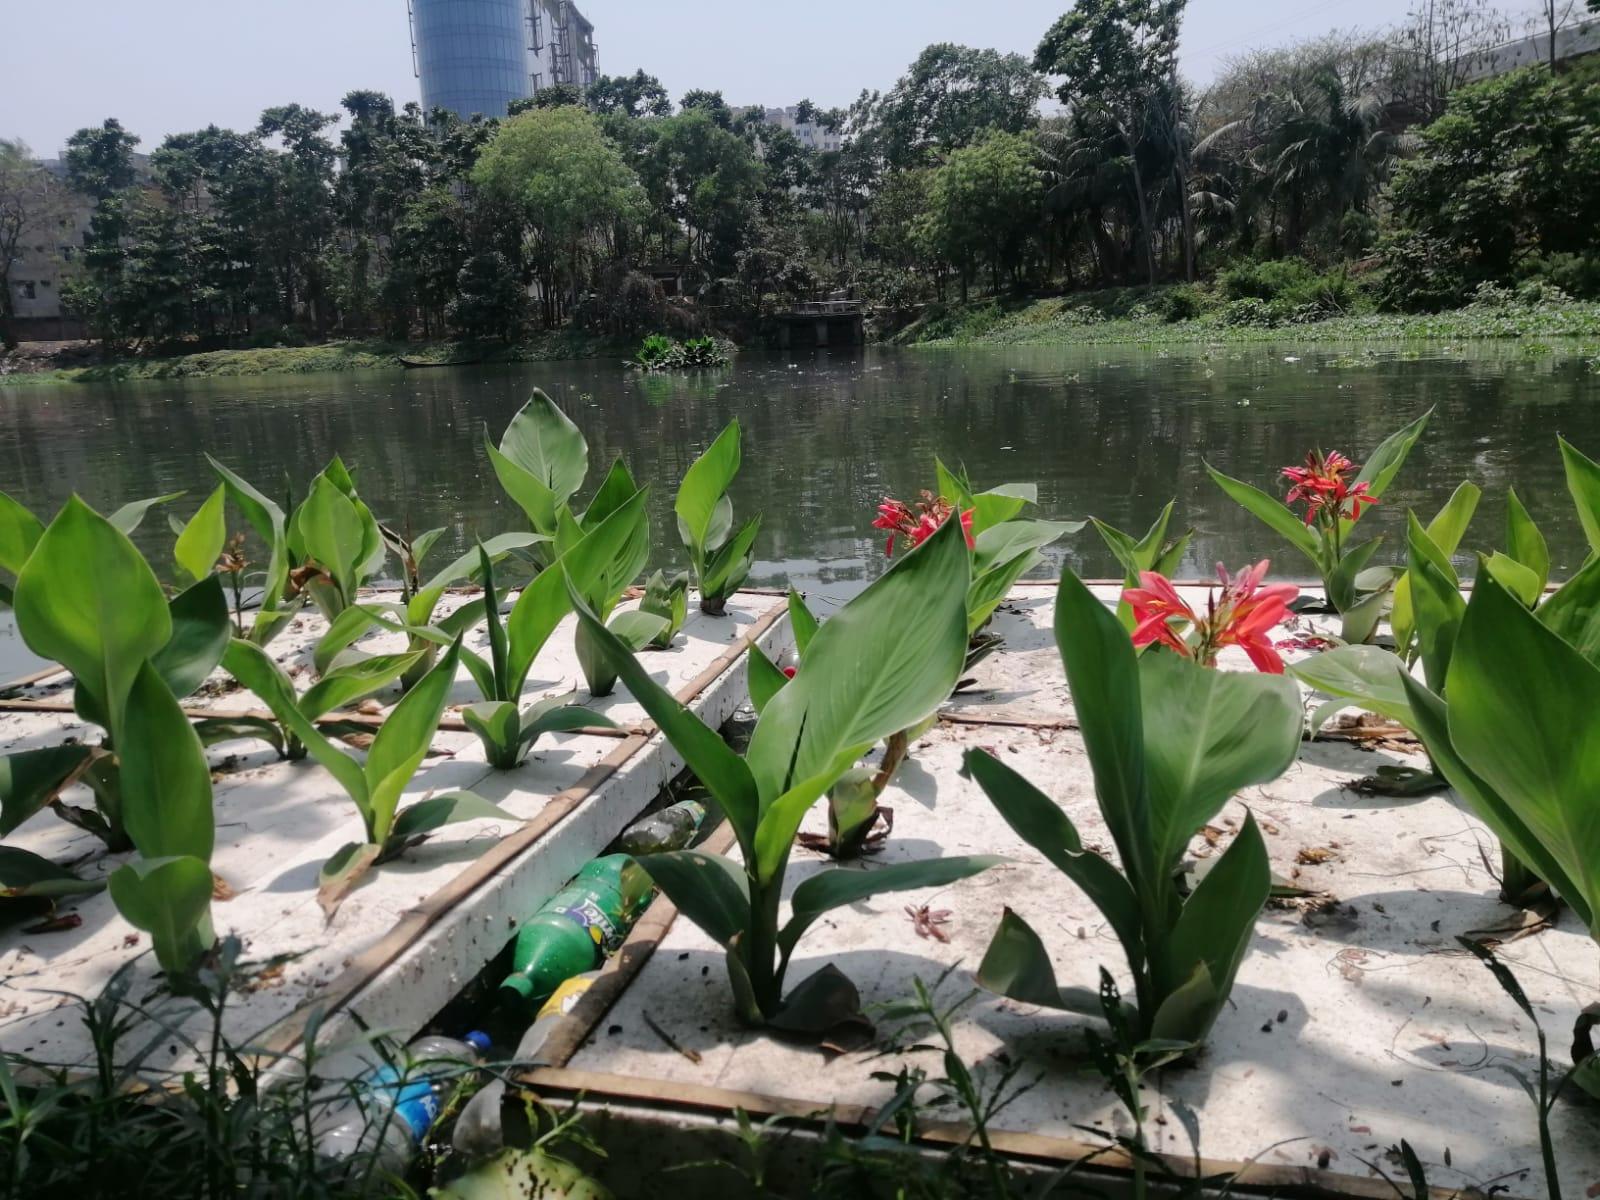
x=193, y=626
x=668, y=599
x=87, y=599
x=375, y=785
x=1155, y=551
x=541, y=462
x=1333, y=501
x=592, y=561
x=883, y=663
x=720, y=558
x=1170, y=742
x=325, y=549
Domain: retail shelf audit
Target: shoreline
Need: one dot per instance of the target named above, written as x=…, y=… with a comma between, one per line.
x=352, y=355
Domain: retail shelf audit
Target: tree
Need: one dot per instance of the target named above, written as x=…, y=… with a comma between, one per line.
x=1112, y=56
x=567, y=184
x=709, y=181
x=636, y=95
x=1512, y=170
x=983, y=204
x=951, y=97
x=711, y=104
x=32, y=210
x=490, y=300
x=1440, y=42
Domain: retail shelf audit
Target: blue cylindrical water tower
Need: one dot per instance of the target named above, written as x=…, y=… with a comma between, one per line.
x=472, y=55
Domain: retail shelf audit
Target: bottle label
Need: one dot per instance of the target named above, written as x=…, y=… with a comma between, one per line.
x=415, y=1103
x=592, y=919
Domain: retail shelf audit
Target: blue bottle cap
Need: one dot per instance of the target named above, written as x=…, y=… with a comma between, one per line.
x=478, y=1040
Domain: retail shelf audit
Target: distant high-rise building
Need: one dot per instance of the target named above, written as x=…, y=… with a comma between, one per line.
x=477, y=56
x=810, y=133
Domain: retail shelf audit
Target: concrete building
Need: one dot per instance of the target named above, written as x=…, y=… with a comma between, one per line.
x=1573, y=41
x=477, y=56
x=809, y=134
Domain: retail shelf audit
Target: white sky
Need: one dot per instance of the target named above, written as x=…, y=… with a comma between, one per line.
x=165, y=66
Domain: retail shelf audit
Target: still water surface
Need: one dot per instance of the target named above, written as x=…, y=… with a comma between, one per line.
x=1109, y=431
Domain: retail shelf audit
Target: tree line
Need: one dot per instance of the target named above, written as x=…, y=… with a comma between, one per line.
x=1371, y=151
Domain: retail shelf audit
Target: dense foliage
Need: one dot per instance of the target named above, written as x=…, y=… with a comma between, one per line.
x=1367, y=163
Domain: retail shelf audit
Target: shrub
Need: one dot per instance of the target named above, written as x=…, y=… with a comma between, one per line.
x=1572, y=274
x=1264, y=280
x=1249, y=311
x=1183, y=302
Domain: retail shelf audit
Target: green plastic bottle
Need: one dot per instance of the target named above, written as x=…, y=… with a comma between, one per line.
x=673, y=828
x=575, y=930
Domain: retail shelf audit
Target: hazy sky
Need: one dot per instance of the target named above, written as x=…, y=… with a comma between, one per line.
x=164, y=66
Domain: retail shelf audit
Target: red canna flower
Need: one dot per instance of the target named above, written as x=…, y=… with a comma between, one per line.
x=1242, y=615
x=919, y=524
x=1321, y=484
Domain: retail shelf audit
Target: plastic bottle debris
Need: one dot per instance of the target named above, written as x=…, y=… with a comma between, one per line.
x=573, y=933
x=479, y=1131
x=673, y=828
x=396, y=1106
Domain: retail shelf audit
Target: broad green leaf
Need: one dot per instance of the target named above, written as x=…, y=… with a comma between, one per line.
x=88, y=600
x=533, y=618
x=24, y=874
x=201, y=629
x=342, y=872
x=499, y=644
x=543, y=441
x=1432, y=725
x=1524, y=541
x=213, y=731
x=708, y=889
x=780, y=820
x=722, y=771
x=668, y=599
x=1017, y=965
x=347, y=684
x=616, y=489
x=801, y=622
x=834, y=889
x=1366, y=674
x=529, y=493
x=253, y=667
x=1207, y=734
x=1446, y=530
x=498, y=726
x=1341, y=581
x=20, y=532
x=1583, y=482
x=1214, y=931
x=420, y=610
x=403, y=742
x=343, y=631
x=1014, y=539
x=704, y=485
x=170, y=899
x=30, y=779
x=333, y=533
x=729, y=565
x=1040, y=822
x=954, y=488
x=1000, y=505
x=1103, y=677
x=132, y=514
x=1572, y=612
x=1273, y=513
x=1384, y=463
x=438, y=811
x=165, y=779
x=989, y=590
x=610, y=556
x=1358, y=623
x=200, y=544
x=1513, y=690
x=885, y=661
x=268, y=520
x=765, y=680
x=1522, y=582
x=1436, y=601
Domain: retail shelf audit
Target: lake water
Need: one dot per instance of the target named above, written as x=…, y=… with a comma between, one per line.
x=1109, y=431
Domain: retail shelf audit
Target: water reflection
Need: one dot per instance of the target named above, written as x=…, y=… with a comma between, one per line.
x=1113, y=431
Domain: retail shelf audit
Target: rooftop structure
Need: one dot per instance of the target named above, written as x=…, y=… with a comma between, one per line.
x=477, y=56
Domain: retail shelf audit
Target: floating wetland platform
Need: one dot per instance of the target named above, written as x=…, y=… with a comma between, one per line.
x=1357, y=1020
x=417, y=930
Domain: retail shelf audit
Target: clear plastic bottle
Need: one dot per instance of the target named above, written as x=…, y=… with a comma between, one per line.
x=673, y=828
x=396, y=1106
x=479, y=1132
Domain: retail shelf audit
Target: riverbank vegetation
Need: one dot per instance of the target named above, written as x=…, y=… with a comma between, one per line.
x=1329, y=178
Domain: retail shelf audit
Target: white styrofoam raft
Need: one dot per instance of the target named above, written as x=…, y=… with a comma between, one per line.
x=277, y=822
x=1356, y=1021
